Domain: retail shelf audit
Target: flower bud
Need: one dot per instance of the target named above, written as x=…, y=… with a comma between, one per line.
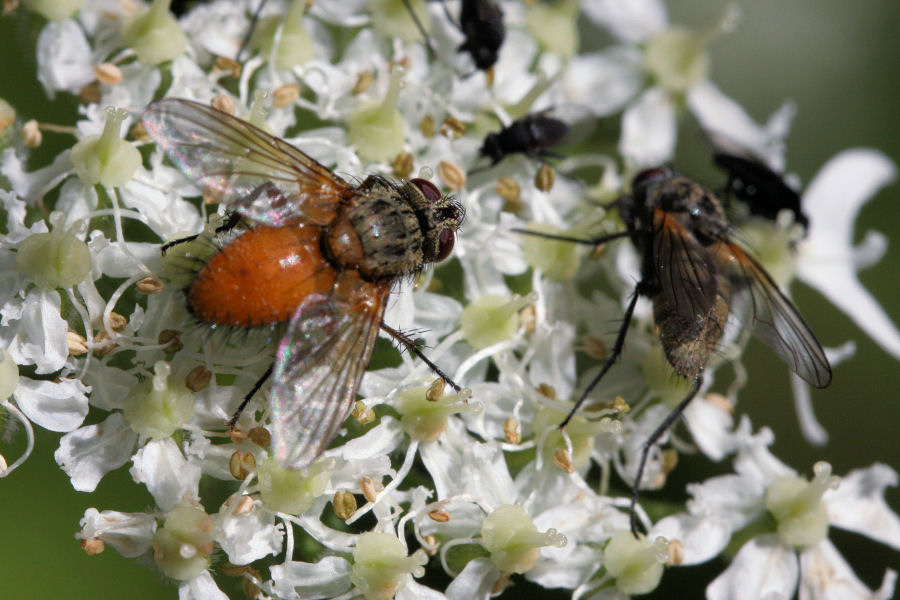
x=424, y=418
x=106, y=159
x=154, y=34
x=181, y=547
x=380, y=565
x=292, y=491
x=579, y=431
x=635, y=563
x=557, y=259
x=514, y=542
x=159, y=406
x=393, y=19
x=295, y=48
x=377, y=129
x=54, y=10
x=797, y=506
x=492, y=319
x=56, y=259
x=555, y=25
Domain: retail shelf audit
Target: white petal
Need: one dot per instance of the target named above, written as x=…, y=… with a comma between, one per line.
x=722, y=116
x=763, y=568
x=603, y=81
x=57, y=406
x=628, y=20
x=858, y=504
x=649, y=130
x=217, y=27
x=553, y=362
x=166, y=214
x=129, y=533
x=89, y=453
x=247, y=536
x=163, y=469
x=30, y=186
x=109, y=385
x=702, y=537
x=325, y=579
x=711, y=426
x=64, y=57
x=381, y=440
x=475, y=581
x=827, y=260
x=413, y=590
x=812, y=430
x=201, y=587
x=827, y=576
x=461, y=466
x=40, y=334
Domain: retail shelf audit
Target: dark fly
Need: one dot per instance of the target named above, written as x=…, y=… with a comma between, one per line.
x=763, y=191
x=694, y=275
x=481, y=22
x=537, y=134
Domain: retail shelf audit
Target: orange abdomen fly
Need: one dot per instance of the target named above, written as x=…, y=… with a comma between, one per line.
x=261, y=277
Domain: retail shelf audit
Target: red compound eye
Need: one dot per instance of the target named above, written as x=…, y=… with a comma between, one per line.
x=648, y=176
x=429, y=189
x=445, y=244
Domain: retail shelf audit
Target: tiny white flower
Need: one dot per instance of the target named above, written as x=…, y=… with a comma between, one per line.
x=827, y=260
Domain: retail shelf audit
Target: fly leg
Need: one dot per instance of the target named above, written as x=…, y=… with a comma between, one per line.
x=240, y=409
x=651, y=441
x=639, y=290
x=230, y=223
x=410, y=345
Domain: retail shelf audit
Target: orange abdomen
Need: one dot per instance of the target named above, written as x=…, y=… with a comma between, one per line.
x=261, y=277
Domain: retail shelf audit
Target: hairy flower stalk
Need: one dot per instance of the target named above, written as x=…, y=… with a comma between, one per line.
x=426, y=490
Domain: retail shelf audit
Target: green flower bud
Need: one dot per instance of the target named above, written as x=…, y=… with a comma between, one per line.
x=56, y=259
x=159, y=406
x=377, y=129
x=514, y=542
x=292, y=491
x=557, y=259
x=380, y=565
x=154, y=34
x=678, y=59
x=423, y=416
x=635, y=563
x=181, y=547
x=295, y=47
x=106, y=159
x=492, y=319
x=392, y=18
x=580, y=431
x=797, y=506
x=54, y=10
x=555, y=26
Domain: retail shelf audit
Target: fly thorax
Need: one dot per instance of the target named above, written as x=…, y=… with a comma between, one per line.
x=378, y=234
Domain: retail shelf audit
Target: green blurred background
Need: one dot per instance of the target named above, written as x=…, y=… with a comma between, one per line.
x=840, y=62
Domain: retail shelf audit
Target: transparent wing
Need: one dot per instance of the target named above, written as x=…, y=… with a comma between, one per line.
x=263, y=177
x=774, y=319
x=685, y=271
x=318, y=368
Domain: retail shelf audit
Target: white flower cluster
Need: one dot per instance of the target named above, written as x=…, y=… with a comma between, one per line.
x=487, y=488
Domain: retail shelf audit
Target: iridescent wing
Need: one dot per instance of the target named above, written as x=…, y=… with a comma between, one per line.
x=774, y=319
x=319, y=365
x=684, y=270
x=264, y=178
